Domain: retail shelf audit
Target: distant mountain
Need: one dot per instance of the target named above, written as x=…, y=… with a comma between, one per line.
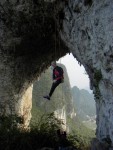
x=84, y=103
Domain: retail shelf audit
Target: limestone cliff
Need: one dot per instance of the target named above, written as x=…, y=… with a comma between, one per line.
x=29, y=41
x=87, y=31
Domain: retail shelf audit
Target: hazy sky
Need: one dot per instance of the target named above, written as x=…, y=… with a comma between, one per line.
x=76, y=72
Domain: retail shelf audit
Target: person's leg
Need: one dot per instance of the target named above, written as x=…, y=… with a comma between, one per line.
x=54, y=85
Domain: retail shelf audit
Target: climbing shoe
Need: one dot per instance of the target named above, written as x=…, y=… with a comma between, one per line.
x=47, y=97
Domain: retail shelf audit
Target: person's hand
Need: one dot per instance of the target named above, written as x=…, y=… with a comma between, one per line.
x=54, y=81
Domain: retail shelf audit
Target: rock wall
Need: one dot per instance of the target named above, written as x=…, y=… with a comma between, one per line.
x=88, y=32
x=24, y=106
x=61, y=115
x=29, y=41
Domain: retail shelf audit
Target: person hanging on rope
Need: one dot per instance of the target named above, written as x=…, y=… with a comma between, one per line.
x=58, y=77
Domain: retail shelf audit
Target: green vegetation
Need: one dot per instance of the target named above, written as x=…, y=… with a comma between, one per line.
x=90, y=124
x=79, y=135
x=97, y=77
x=43, y=134
x=44, y=125
x=78, y=128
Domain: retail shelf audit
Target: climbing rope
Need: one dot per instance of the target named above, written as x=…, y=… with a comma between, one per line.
x=55, y=34
x=59, y=50
x=46, y=104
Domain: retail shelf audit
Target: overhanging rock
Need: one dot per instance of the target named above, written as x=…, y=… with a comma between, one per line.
x=30, y=33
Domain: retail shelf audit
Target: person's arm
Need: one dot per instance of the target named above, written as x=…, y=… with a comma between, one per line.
x=54, y=78
x=53, y=74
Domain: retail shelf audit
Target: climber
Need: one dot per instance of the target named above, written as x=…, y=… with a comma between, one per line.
x=58, y=78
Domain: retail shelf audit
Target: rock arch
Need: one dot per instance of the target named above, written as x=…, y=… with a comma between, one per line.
x=29, y=41
x=30, y=33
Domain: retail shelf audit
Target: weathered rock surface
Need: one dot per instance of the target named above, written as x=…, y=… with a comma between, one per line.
x=29, y=41
x=88, y=32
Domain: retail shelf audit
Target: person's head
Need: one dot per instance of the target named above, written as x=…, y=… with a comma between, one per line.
x=53, y=64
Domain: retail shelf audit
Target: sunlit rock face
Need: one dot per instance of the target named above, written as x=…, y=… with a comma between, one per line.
x=61, y=115
x=88, y=32
x=25, y=105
